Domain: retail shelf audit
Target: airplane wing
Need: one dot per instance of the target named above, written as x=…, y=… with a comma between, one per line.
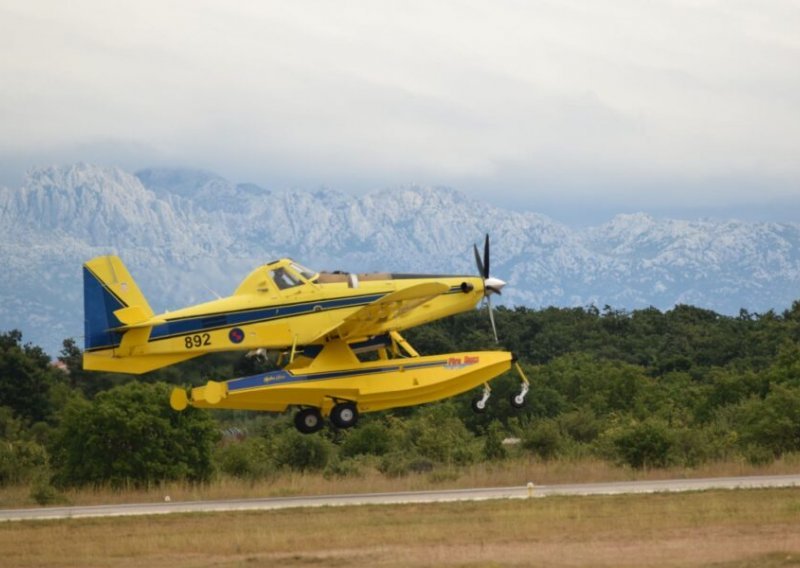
x=373, y=318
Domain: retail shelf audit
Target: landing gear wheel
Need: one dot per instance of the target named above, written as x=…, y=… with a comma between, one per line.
x=344, y=415
x=517, y=400
x=479, y=405
x=308, y=420
x=479, y=402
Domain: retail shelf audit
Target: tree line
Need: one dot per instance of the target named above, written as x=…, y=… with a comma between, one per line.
x=643, y=388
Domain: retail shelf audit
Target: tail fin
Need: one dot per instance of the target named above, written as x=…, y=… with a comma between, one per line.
x=111, y=299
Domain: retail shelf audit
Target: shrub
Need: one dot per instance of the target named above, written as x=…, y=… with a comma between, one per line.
x=493, y=448
x=437, y=434
x=372, y=438
x=399, y=464
x=246, y=459
x=20, y=460
x=130, y=435
x=301, y=451
x=342, y=468
x=543, y=440
x=643, y=444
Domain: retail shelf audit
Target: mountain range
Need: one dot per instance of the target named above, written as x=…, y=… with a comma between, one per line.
x=188, y=235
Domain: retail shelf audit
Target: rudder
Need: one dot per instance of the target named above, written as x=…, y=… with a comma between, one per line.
x=111, y=299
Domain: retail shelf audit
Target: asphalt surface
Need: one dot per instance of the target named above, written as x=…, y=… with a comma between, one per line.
x=523, y=492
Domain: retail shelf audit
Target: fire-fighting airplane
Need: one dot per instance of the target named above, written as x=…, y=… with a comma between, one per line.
x=336, y=335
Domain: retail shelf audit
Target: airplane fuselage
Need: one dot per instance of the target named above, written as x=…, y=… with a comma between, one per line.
x=262, y=314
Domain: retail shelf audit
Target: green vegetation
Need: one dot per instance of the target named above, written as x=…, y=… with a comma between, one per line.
x=644, y=389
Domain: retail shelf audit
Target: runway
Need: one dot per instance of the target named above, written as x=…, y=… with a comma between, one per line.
x=521, y=492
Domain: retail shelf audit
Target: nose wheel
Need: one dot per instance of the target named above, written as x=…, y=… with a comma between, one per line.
x=479, y=402
x=518, y=400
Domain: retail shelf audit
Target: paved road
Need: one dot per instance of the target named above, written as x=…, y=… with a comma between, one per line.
x=615, y=488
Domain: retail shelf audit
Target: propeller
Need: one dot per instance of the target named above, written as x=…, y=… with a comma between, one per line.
x=490, y=285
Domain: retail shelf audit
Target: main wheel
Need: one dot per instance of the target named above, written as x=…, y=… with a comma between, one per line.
x=344, y=415
x=308, y=420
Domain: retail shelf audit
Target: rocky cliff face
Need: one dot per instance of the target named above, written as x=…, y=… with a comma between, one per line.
x=184, y=233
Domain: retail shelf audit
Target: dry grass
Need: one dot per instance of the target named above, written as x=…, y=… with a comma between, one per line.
x=509, y=473
x=719, y=528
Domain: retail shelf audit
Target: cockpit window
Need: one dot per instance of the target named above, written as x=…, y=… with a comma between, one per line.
x=303, y=271
x=283, y=279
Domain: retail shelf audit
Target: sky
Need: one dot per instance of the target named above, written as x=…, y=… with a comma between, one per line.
x=575, y=109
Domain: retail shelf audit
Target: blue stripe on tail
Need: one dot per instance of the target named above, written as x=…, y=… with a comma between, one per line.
x=99, y=304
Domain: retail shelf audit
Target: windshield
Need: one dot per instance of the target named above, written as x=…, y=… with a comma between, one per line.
x=306, y=273
x=283, y=278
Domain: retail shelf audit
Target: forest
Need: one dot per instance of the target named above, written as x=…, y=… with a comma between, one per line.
x=643, y=388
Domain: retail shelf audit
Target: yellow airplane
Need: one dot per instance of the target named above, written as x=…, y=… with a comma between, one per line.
x=337, y=335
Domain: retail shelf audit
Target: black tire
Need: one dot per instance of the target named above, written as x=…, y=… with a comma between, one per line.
x=344, y=415
x=516, y=401
x=308, y=420
x=479, y=405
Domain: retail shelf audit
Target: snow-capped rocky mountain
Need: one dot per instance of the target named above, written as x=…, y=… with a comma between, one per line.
x=185, y=234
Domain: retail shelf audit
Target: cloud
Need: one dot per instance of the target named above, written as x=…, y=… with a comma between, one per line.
x=539, y=98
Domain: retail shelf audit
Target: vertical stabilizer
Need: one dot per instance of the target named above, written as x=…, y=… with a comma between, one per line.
x=111, y=299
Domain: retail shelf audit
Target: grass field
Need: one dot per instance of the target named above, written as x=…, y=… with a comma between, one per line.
x=508, y=473
x=716, y=528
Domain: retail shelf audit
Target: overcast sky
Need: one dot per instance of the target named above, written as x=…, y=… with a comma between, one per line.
x=577, y=109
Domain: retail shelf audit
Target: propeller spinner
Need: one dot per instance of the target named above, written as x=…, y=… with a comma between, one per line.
x=490, y=285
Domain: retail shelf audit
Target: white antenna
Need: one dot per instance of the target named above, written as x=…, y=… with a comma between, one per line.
x=213, y=292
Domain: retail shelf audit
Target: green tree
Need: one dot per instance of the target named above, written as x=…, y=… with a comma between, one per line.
x=772, y=424
x=25, y=378
x=438, y=434
x=493, y=448
x=372, y=438
x=130, y=435
x=643, y=444
x=246, y=459
x=543, y=439
x=302, y=452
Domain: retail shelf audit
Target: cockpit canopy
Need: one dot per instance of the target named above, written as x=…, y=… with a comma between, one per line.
x=286, y=273
x=280, y=274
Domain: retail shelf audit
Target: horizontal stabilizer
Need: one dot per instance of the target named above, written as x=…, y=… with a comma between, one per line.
x=132, y=315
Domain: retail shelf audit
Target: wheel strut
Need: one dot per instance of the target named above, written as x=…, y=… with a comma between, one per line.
x=479, y=403
x=518, y=400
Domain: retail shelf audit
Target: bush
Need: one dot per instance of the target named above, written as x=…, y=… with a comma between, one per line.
x=372, y=438
x=543, y=440
x=399, y=464
x=772, y=423
x=130, y=435
x=20, y=460
x=248, y=459
x=493, y=448
x=342, y=468
x=43, y=492
x=301, y=451
x=643, y=444
x=437, y=434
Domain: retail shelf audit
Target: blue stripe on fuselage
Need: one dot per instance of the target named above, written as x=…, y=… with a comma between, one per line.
x=209, y=322
x=284, y=377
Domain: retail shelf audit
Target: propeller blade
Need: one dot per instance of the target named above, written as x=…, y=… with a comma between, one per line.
x=478, y=261
x=491, y=318
x=486, y=257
